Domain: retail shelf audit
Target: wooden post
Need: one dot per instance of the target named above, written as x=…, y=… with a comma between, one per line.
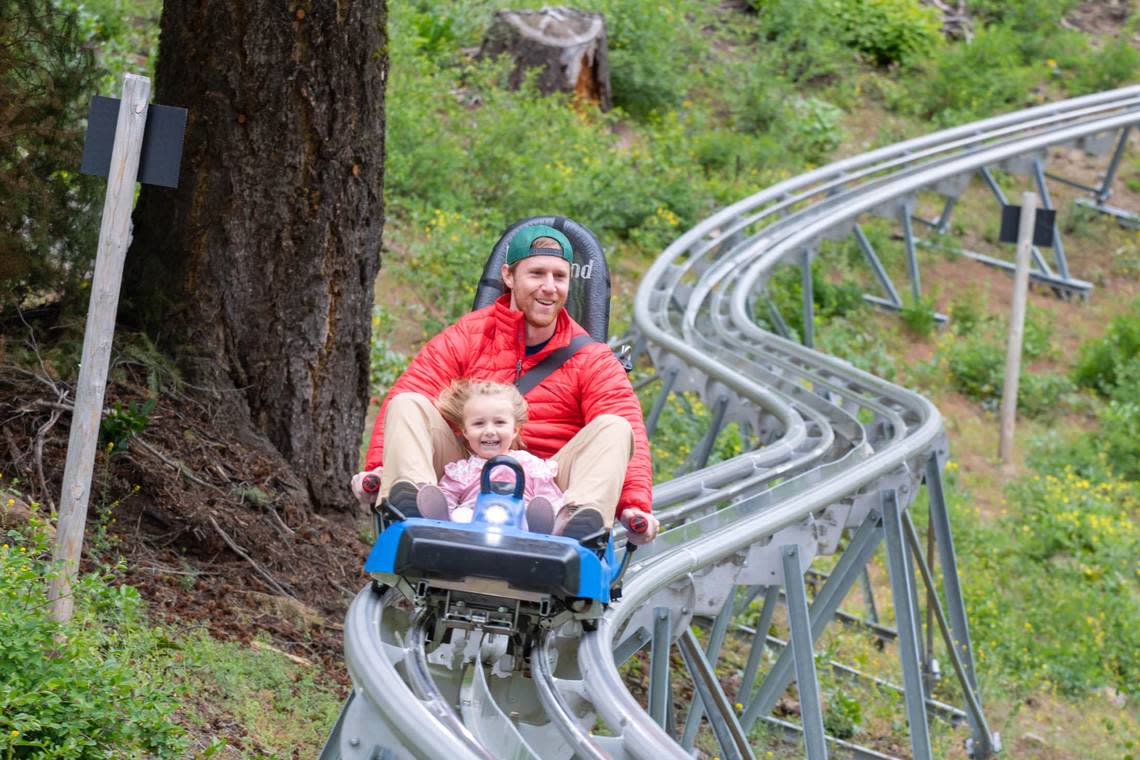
x=114, y=238
x=1016, y=327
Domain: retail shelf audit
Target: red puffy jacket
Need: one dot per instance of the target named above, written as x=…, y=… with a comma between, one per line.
x=489, y=344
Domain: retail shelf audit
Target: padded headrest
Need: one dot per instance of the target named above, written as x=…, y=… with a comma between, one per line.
x=589, y=298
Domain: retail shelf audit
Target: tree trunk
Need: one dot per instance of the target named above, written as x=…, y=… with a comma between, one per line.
x=567, y=46
x=258, y=270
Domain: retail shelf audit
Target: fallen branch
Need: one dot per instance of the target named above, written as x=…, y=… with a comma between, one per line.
x=179, y=466
x=260, y=570
x=279, y=521
x=38, y=451
x=268, y=647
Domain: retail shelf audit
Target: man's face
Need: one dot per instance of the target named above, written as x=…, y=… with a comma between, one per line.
x=539, y=286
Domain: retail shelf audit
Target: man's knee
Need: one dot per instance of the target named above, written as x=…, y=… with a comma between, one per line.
x=615, y=429
x=404, y=404
x=613, y=422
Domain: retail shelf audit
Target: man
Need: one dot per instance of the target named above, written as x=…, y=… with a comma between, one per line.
x=584, y=415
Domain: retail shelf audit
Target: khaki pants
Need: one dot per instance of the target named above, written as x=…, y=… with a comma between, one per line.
x=418, y=442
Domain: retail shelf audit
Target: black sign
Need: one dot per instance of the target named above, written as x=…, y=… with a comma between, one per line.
x=1043, y=225
x=162, y=141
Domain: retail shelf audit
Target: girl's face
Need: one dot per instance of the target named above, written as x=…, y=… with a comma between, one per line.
x=489, y=425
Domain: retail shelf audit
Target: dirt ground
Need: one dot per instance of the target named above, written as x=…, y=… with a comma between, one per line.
x=213, y=528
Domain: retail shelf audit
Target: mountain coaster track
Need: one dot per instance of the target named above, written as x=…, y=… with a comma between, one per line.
x=833, y=453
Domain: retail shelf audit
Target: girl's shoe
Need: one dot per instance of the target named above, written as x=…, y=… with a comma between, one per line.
x=540, y=515
x=432, y=503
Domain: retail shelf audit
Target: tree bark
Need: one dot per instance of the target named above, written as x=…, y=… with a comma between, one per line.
x=258, y=270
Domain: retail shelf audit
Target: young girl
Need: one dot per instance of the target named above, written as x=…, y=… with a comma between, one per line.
x=490, y=416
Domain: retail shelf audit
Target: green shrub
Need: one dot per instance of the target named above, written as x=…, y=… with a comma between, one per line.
x=889, y=31
x=1071, y=542
x=812, y=128
x=1114, y=65
x=1037, y=335
x=805, y=38
x=918, y=315
x=959, y=83
x=1022, y=15
x=75, y=691
x=976, y=366
x=1041, y=394
x=811, y=33
x=1102, y=362
x=1120, y=435
x=831, y=299
x=967, y=312
x=650, y=54
x=121, y=423
x=857, y=342
x=1113, y=450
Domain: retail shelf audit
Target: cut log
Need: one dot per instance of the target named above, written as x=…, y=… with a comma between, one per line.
x=956, y=21
x=567, y=46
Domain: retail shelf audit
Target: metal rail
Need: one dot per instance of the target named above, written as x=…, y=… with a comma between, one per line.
x=836, y=455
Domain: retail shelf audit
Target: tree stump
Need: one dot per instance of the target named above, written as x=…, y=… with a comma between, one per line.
x=568, y=46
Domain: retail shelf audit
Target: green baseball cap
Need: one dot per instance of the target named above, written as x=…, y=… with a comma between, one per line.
x=519, y=247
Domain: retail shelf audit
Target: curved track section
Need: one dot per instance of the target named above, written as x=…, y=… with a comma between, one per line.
x=835, y=457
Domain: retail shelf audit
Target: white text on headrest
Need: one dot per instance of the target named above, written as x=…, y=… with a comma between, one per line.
x=580, y=271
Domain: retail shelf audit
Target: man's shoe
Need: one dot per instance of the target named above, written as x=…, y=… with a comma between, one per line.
x=402, y=497
x=578, y=522
x=432, y=503
x=540, y=515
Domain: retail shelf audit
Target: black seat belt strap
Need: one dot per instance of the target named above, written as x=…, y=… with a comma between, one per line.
x=530, y=379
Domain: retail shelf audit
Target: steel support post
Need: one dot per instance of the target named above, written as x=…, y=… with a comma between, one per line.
x=669, y=378
x=1047, y=202
x=911, y=255
x=823, y=608
x=877, y=266
x=807, y=683
x=951, y=587
x=712, y=652
x=930, y=671
x=1110, y=174
x=912, y=583
x=727, y=729
x=759, y=643
x=943, y=222
x=660, y=695
x=1072, y=183
x=704, y=449
x=631, y=646
x=974, y=713
x=907, y=624
x=639, y=347
x=646, y=381
x=331, y=750
x=809, y=299
x=983, y=743
x=869, y=596
x=778, y=320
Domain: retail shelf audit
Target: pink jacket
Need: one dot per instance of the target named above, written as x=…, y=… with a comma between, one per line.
x=460, y=481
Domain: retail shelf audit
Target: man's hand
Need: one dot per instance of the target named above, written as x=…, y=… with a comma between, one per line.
x=366, y=486
x=641, y=527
